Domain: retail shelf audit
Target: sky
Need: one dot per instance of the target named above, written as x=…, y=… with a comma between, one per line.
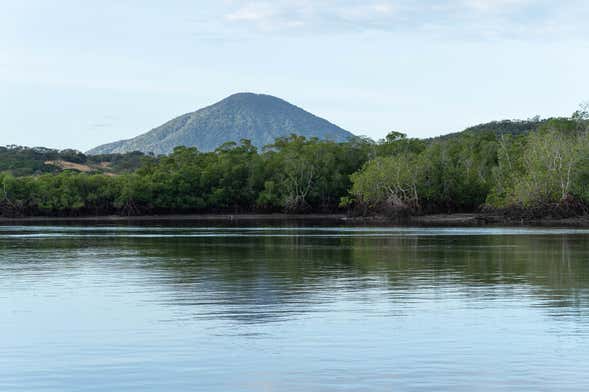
x=78, y=74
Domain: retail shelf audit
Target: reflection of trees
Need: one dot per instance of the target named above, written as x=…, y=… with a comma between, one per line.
x=554, y=267
x=260, y=279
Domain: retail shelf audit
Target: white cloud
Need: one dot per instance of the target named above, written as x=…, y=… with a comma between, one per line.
x=496, y=5
x=475, y=19
x=253, y=13
x=281, y=14
x=369, y=11
x=274, y=16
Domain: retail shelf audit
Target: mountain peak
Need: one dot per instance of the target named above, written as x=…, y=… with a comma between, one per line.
x=265, y=101
x=260, y=118
x=246, y=95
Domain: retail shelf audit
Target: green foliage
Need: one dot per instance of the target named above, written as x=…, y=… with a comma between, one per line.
x=310, y=173
x=582, y=114
x=456, y=174
x=295, y=174
x=24, y=161
x=510, y=167
x=388, y=181
x=298, y=174
x=499, y=128
x=120, y=163
x=547, y=166
x=397, y=143
x=440, y=176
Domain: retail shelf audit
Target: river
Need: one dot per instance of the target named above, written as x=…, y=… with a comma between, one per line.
x=110, y=308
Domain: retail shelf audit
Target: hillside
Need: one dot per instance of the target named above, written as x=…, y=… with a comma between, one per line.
x=25, y=161
x=503, y=127
x=259, y=118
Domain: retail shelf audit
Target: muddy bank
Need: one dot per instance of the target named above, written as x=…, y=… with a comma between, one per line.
x=484, y=219
x=183, y=219
x=439, y=220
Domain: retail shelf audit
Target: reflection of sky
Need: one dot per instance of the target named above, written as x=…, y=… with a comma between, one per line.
x=79, y=74
x=309, y=313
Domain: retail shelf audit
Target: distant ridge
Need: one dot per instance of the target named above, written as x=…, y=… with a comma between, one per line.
x=257, y=117
x=503, y=127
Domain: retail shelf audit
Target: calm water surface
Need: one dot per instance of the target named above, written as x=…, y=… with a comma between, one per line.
x=293, y=309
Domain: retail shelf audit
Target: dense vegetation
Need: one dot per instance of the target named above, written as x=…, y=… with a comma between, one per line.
x=529, y=170
x=398, y=175
x=22, y=161
x=504, y=127
x=295, y=174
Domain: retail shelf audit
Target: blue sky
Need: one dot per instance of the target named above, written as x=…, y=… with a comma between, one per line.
x=78, y=74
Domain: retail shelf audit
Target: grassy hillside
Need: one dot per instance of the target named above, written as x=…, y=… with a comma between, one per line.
x=25, y=161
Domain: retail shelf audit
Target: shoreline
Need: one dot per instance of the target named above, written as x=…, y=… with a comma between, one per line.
x=433, y=220
x=180, y=218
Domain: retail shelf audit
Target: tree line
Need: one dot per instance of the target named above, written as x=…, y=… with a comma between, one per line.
x=294, y=174
x=481, y=169
x=476, y=169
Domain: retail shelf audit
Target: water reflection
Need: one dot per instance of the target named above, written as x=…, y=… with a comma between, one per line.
x=260, y=275
x=296, y=309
